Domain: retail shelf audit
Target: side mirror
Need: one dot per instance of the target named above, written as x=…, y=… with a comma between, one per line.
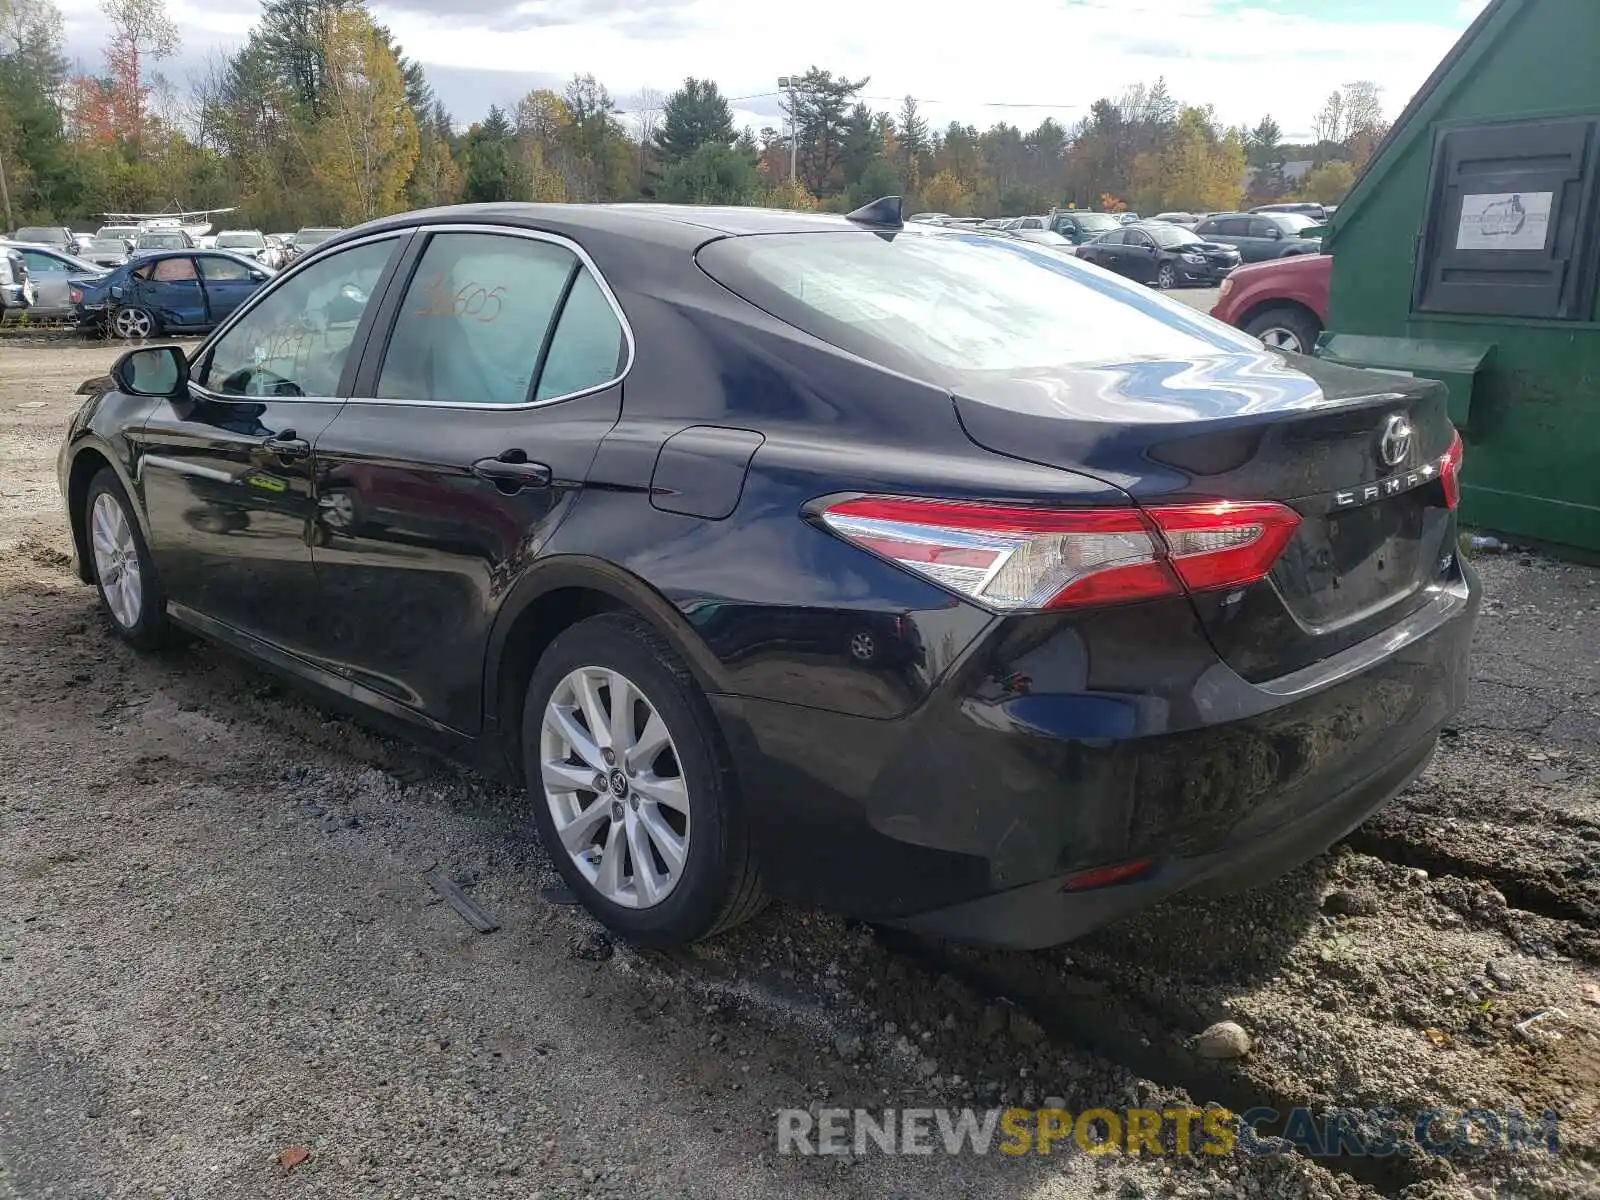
x=152, y=371
x=1276, y=234
x=259, y=276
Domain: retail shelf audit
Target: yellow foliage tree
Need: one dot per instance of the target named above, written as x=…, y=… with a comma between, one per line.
x=1197, y=171
x=363, y=150
x=1327, y=184
x=946, y=194
x=790, y=193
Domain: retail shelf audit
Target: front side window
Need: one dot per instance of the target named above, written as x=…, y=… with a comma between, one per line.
x=295, y=341
x=476, y=314
x=215, y=267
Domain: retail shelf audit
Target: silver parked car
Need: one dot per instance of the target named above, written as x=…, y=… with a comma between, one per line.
x=16, y=289
x=52, y=273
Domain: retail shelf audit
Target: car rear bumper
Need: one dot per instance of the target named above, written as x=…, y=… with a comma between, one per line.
x=1063, y=745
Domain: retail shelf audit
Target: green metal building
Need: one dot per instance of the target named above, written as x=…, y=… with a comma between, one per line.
x=1469, y=251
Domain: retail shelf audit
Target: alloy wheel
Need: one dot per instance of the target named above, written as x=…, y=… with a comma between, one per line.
x=1166, y=277
x=616, y=793
x=116, y=561
x=1279, y=338
x=134, y=324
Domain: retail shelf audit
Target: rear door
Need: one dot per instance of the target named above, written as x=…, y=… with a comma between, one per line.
x=170, y=290
x=1104, y=251
x=226, y=471
x=471, y=428
x=228, y=284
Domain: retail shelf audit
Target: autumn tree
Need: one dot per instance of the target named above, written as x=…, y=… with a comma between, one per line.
x=946, y=193
x=693, y=116
x=1327, y=184
x=141, y=31
x=543, y=124
x=365, y=147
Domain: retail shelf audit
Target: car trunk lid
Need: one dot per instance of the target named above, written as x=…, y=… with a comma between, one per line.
x=1356, y=454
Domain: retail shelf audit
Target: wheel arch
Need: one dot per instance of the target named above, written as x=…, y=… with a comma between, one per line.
x=89, y=458
x=1271, y=302
x=555, y=595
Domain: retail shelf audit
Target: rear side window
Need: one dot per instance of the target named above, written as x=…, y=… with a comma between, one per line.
x=945, y=306
x=1234, y=226
x=587, y=348
x=479, y=314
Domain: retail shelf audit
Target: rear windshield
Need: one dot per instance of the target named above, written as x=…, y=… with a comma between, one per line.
x=959, y=303
x=163, y=241
x=38, y=235
x=235, y=241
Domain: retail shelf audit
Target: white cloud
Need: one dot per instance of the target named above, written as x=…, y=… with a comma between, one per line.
x=1030, y=59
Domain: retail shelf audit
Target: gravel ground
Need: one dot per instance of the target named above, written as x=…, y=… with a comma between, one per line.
x=217, y=943
x=1201, y=298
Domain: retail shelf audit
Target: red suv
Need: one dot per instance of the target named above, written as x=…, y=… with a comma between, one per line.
x=1283, y=302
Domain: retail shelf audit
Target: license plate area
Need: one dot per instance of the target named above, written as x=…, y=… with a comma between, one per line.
x=1345, y=565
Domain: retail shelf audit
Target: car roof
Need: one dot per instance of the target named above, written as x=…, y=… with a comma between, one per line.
x=669, y=224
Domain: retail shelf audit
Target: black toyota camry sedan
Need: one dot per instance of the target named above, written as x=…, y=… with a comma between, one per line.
x=935, y=579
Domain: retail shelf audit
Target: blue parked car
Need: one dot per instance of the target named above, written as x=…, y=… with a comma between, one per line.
x=181, y=291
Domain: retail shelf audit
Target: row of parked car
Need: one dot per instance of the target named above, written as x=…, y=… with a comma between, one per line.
x=1273, y=276
x=140, y=281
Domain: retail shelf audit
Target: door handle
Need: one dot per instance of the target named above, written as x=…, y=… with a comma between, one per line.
x=286, y=445
x=512, y=471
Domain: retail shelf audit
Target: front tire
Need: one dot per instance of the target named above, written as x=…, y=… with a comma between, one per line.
x=632, y=792
x=123, y=571
x=1166, y=277
x=1285, y=328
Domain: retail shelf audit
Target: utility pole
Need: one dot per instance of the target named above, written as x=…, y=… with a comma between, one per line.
x=786, y=83
x=5, y=193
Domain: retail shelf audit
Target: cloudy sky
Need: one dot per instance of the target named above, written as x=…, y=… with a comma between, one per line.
x=1017, y=61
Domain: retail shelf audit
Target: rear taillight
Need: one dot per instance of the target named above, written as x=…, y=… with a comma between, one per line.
x=1450, y=472
x=76, y=294
x=1012, y=558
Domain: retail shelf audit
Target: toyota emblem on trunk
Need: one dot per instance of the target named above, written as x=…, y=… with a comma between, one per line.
x=1394, y=441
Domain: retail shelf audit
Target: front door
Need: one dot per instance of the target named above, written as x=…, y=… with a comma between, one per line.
x=227, y=470
x=461, y=449
x=228, y=283
x=1138, y=257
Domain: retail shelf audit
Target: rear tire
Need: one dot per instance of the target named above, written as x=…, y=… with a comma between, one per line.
x=119, y=559
x=1285, y=328
x=654, y=784
x=134, y=324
